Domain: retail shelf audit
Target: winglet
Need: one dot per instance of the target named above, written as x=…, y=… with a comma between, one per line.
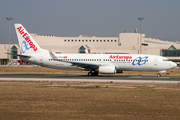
x=52, y=55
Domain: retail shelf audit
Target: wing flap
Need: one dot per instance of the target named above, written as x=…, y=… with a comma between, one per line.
x=83, y=65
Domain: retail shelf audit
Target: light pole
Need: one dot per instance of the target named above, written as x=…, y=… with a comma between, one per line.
x=9, y=35
x=140, y=43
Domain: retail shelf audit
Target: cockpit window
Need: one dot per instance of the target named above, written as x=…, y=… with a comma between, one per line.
x=166, y=60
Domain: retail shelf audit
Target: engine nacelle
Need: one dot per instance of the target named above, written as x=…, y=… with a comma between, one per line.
x=107, y=69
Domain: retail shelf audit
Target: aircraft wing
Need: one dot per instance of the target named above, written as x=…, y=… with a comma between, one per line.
x=27, y=56
x=75, y=63
x=83, y=65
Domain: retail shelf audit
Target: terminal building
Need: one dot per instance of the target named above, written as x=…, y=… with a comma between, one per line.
x=125, y=43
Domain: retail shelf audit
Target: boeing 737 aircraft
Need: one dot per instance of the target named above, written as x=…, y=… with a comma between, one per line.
x=94, y=63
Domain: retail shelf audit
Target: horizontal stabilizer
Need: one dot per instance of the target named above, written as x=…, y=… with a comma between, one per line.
x=27, y=56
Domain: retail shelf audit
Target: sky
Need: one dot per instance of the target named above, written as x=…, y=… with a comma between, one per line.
x=101, y=18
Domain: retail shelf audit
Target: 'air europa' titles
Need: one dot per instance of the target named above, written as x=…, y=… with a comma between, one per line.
x=26, y=37
x=119, y=57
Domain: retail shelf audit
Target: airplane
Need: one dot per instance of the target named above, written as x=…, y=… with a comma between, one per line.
x=31, y=52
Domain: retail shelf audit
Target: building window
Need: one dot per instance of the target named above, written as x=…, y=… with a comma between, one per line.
x=107, y=40
x=82, y=40
x=68, y=40
x=93, y=40
x=111, y=40
x=89, y=40
x=96, y=40
x=144, y=44
x=114, y=40
x=178, y=52
x=13, y=51
x=75, y=40
x=79, y=40
x=82, y=49
x=171, y=52
x=86, y=40
x=64, y=40
x=100, y=40
x=71, y=40
x=104, y=40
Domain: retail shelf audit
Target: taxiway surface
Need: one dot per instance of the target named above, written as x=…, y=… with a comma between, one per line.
x=84, y=78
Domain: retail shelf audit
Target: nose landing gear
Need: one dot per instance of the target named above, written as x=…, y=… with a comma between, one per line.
x=159, y=75
x=163, y=71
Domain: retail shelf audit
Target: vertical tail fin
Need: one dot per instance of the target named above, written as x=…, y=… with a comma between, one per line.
x=26, y=42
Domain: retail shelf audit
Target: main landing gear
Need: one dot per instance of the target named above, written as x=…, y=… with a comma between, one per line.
x=95, y=73
x=159, y=75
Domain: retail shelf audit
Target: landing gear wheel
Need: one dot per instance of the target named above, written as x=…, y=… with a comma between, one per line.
x=93, y=73
x=159, y=75
x=90, y=74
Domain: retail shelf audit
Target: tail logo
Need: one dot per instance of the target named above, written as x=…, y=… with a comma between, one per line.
x=24, y=47
x=140, y=61
x=27, y=41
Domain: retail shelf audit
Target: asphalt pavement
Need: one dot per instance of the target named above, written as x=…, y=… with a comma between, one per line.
x=85, y=78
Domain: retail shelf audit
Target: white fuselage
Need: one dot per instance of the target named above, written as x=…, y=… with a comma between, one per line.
x=123, y=62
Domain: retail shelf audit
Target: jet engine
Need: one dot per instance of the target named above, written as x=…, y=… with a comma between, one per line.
x=107, y=69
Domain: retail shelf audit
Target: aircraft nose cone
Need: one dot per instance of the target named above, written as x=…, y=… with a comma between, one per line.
x=173, y=64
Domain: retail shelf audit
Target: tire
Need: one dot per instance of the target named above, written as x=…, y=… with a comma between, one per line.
x=159, y=75
x=89, y=73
